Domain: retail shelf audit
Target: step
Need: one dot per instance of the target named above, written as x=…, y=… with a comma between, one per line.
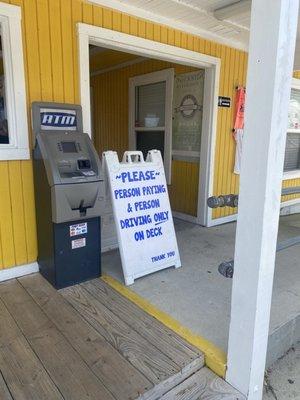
x=203, y=385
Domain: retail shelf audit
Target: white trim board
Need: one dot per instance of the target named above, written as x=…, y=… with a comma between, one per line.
x=292, y=206
x=89, y=34
x=288, y=175
x=223, y=220
x=16, y=272
x=15, y=89
x=185, y=217
x=289, y=203
x=214, y=222
x=162, y=20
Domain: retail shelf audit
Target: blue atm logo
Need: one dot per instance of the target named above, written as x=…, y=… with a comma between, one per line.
x=58, y=119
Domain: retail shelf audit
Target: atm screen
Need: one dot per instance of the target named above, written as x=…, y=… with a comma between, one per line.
x=69, y=147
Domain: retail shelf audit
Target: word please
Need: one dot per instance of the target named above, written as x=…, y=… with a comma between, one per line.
x=137, y=176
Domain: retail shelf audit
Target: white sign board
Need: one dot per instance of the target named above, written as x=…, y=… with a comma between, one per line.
x=142, y=213
x=187, y=114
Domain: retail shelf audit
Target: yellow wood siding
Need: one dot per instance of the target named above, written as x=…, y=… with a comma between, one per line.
x=51, y=67
x=184, y=189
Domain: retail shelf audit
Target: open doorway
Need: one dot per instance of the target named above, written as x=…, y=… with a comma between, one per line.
x=115, y=59
x=138, y=103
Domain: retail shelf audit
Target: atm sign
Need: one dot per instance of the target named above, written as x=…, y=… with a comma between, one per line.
x=54, y=119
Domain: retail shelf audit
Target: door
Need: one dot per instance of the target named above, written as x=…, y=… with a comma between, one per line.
x=150, y=114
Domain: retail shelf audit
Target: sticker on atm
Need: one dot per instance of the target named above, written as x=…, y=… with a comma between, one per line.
x=77, y=243
x=78, y=229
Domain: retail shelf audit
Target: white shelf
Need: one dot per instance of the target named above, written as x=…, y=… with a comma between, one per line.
x=145, y=129
x=290, y=130
x=294, y=174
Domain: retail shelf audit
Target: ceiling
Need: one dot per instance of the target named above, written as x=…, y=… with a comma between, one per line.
x=223, y=21
x=102, y=60
x=194, y=16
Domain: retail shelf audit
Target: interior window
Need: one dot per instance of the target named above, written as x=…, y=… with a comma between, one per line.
x=292, y=150
x=150, y=114
x=150, y=102
x=4, y=137
x=14, y=143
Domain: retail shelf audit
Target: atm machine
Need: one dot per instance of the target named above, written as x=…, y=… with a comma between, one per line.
x=69, y=195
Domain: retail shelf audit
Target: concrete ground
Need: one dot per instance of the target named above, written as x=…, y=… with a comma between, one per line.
x=199, y=297
x=283, y=378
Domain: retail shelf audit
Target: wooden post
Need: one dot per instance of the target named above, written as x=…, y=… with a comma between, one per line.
x=271, y=54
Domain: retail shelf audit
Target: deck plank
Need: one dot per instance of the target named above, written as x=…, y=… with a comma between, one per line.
x=4, y=391
x=24, y=374
x=118, y=375
x=150, y=328
x=146, y=358
x=69, y=372
x=94, y=312
x=203, y=385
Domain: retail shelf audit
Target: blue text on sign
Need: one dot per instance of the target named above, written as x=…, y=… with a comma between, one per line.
x=137, y=176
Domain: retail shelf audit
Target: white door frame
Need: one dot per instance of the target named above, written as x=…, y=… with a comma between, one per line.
x=89, y=34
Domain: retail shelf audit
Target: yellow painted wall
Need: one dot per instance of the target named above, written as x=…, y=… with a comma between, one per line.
x=110, y=127
x=51, y=68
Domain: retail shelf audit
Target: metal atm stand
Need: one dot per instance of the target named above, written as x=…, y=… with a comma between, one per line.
x=69, y=195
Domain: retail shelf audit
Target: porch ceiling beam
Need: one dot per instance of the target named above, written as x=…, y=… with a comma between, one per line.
x=151, y=15
x=239, y=7
x=115, y=67
x=271, y=54
x=232, y=10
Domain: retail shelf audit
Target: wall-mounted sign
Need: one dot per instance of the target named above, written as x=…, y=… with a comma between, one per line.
x=57, y=119
x=187, y=113
x=224, y=101
x=142, y=213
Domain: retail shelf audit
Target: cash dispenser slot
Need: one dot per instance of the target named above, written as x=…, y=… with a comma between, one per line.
x=84, y=164
x=70, y=195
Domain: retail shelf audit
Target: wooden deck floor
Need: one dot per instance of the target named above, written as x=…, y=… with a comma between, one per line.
x=88, y=342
